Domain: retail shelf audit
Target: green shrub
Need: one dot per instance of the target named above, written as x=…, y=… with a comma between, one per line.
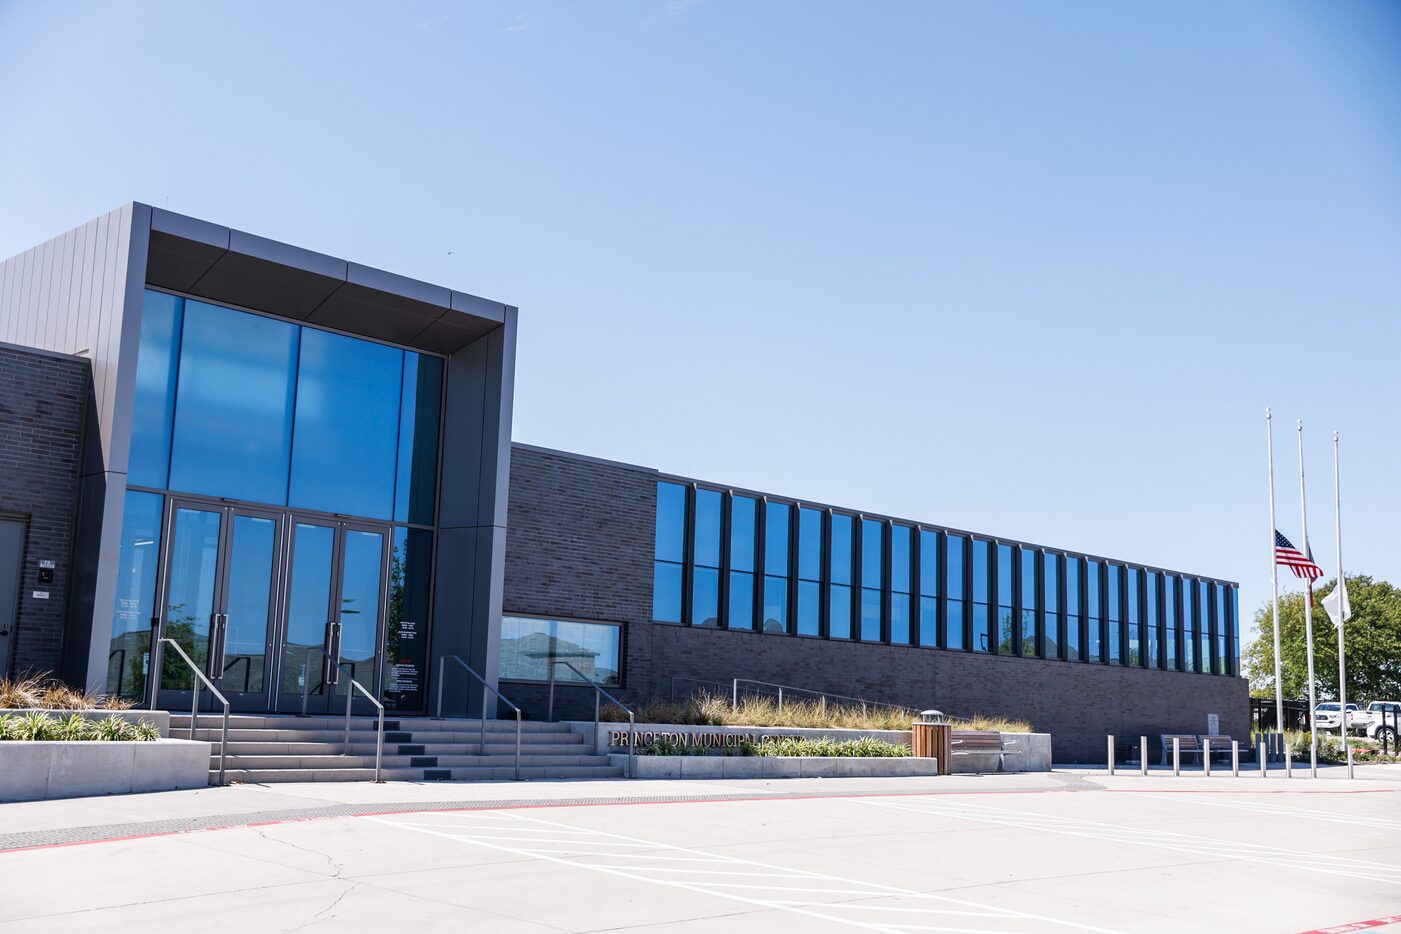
x=864, y=747
x=36, y=726
x=667, y=747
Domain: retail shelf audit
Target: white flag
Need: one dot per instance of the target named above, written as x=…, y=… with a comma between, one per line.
x=1331, y=603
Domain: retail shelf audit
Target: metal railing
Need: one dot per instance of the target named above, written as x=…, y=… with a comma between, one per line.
x=349, y=697
x=846, y=700
x=599, y=694
x=194, y=707
x=485, y=688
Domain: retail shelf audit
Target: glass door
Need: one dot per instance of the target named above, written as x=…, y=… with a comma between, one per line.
x=220, y=597
x=335, y=612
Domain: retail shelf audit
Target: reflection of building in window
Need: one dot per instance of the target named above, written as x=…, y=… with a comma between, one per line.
x=528, y=645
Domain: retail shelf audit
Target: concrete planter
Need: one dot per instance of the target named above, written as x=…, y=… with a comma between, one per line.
x=160, y=719
x=1032, y=750
x=776, y=766
x=34, y=771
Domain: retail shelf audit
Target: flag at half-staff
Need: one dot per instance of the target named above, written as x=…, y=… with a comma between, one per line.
x=1297, y=561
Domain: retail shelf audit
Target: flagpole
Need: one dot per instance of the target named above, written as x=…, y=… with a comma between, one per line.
x=1342, y=607
x=1308, y=611
x=1274, y=569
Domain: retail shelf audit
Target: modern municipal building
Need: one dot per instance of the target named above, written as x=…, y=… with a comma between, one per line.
x=268, y=454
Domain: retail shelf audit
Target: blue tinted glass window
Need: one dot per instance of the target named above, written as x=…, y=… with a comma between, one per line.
x=953, y=566
x=928, y=563
x=742, y=513
x=839, y=612
x=666, y=592
x=872, y=553
x=1051, y=586
x=233, y=408
x=1150, y=617
x=705, y=597
x=900, y=545
x=406, y=628
x=1072, y=584
x=1004, y=575
x=900, y=618
x=1189, y=627
x=671, y=522
x=741, y=607
x=420, y=409
x=982, y=637
x=980, y=570
x=775, y=604
x=953, y=624
x=1030, y=615
x=707, y=537
x=1131, y=596
x=841, y=548
x=928, y=620
x=776, y=538
x=1170, y=619
x=809, y=544
x=137, y=561
x=870, y=615
x=809, y=608
x=1115, y=603
x=1094, y=607
x=528, y=645
x=1204, y=626
x=153, y=408
x=347, y=411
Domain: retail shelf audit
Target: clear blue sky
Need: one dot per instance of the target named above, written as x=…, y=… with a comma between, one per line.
x=1029, y=269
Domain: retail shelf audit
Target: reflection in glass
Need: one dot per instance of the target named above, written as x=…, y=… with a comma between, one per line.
x=1132, y=617
x=1029, y=614
x=137, y=564
x=706, y=543
x=252, y=558
x=671, y=522
x=666, y=592
x=1051, y=588
x=870, y=615
x=1093, y=610
x=741, y=607
x=841, y=549
x=228, y=443
x=742, y=513
x=347, y=417
x=775, y=604
x=1189, y=626
x=953, y=624
x=361, y=573
x=839, y=612
x=1072, y=608
x=1150, y=618
x=308, y=609
x=872, y=554
x=1005, y=617
x=810, y=544
x=528, y=645
x=1204, y=627
x=954, y=553
x=416, y=480
x=928, y=621
x=153, y=406
x=194, y=564
x=809, y=608
x=900, y=619
x=1170, y=620
x=776, y=539
x=929, y=563
x=900, y=544
x=705, y=597
x=406, y=625
x=1114, y=614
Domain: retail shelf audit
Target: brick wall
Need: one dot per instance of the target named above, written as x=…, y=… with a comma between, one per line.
x=580, y=545
x=43, y=399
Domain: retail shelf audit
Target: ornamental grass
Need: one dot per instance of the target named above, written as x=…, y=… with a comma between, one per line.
x=37, y=726
x=709, y=709
x=45, y=692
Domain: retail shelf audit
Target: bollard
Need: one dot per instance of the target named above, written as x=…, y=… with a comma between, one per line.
x=1111, y=754
x=1143, y=755
x=1260, y=755
x=1235, y=758
x=1288, y=760
x=1206, y=757
x=1176, y=757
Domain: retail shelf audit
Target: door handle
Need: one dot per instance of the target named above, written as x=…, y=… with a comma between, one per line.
x=223, y=643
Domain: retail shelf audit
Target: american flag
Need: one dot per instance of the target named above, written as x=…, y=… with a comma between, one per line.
x=1302, y=565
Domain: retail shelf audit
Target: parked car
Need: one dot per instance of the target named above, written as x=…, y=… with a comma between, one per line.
x=1376, y=725
x=1326, y=716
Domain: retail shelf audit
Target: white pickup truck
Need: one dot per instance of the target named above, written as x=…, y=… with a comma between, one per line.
x=1375, y=723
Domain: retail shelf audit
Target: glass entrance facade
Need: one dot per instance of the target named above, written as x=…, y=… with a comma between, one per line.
x=281, y=508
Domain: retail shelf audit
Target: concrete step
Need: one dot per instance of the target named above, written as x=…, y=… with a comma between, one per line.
x=363, y=746
x=339, y=763
x=368, y=736
x=460, y=774
x=411, y=724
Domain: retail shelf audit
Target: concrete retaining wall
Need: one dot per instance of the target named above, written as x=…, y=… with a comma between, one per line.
x=160, y=719
x=34, y=771
x=776, y=766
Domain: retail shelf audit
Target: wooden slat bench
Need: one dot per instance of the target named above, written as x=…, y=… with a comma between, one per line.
x=982, y=742
x=1217, y=745
x=1188, y=744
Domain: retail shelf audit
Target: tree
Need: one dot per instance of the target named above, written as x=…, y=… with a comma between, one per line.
x=1373, y=644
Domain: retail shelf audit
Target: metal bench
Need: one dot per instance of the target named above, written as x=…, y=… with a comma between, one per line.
x=982, y=742
x=1188, y=744
x=1217, y=745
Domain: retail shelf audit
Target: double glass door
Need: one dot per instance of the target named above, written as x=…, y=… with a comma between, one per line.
x=262, y=601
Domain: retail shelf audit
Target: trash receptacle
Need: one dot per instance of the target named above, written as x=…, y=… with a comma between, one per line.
x=931, y=736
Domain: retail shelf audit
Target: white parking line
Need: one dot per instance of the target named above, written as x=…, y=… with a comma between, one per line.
x=1271, y=807
x=1158, y=839
x=931, y=912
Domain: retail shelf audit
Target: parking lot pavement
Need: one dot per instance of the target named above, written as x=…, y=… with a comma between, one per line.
x=1072, y=850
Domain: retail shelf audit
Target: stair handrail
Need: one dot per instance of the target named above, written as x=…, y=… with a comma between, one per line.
x=599, y=693
x=349, y=696
x=486, y=687
x=864, y=702
x=194, y=709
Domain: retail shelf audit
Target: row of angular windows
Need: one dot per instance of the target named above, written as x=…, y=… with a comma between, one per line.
x=729, y=560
